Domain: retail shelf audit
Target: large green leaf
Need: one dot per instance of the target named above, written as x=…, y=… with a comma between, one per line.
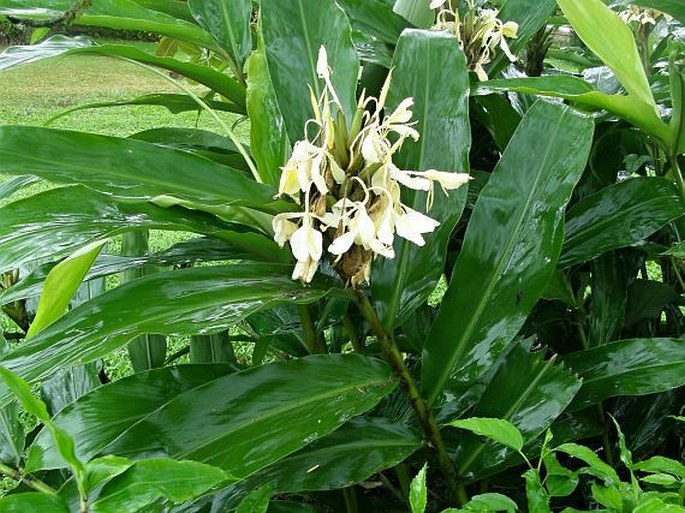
x=628, y=367
x=619, y=216
x=61, y=285
x=57, y=45
x=61, y=220
x=119, y=405
x=430, y=67
x=611, y=40
x=115, y=14
x=416, y=12
x=375, y=18
x=228, y=21
x=33, y=502
x=13, y=185
x=528, y=391
x=293, y=31
x=609, y=285
x=148, y=481
x=201, y=300
x=349, y=455
x=511, y=247
x=12, y=436
x=632, y=109
x=222, y=83
x=268, y=137
x=257, y=416
x=127, y=168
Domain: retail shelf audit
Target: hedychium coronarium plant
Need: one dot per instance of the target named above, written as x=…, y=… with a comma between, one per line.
x=349, y=188
x=479, y=31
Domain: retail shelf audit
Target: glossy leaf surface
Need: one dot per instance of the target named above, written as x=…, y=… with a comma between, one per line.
x=228, y=21
x=418, y=492
x=118, y=405
x=115, y=14
x=527, y=391
x=257, y=416
x=268, y=136
x=126, y=168
x=353, y=453
x=33, y=502
x=611, y=40
x=376, y=18
x=57, y=45
x=628, y=367
x=499, y=430
x=510, y=249
x=292, y=51
x=619, y=216
x=214, y=298
x=61, y=285
x=430, y=68
x=632, y=109
x=9, y=187
x=148, y=481
x=62, y=220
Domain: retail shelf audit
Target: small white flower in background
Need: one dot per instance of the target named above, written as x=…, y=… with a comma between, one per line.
x=640, y=16
x=349, y=188
x=480, y=33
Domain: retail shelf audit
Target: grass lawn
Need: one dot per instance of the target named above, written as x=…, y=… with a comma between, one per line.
x=32, y=94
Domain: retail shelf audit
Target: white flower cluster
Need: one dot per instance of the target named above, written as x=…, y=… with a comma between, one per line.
x=640, y=16
x=349, y=188
x=480, y=33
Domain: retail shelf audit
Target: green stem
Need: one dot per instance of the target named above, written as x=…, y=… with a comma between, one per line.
x=357, y=341
x=675, y=165
x=314, y=343
x=350, y=500
x=31, y=482
x=423, y=412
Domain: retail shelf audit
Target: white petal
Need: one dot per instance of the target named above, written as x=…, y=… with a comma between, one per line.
x=405, y=231
x=341, y=244
x=416, y=183
x=437, y=3
x=366, y=231
x=322, y=63
x=314, y=243
x=283, y=229
x=447, y=180
x=419, y=222
x=299, y=244
x=382, y=249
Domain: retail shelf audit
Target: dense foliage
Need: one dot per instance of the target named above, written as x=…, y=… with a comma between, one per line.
x=359, y=310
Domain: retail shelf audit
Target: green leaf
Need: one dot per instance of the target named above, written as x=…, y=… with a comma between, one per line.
x=676, y=72
x=258, y=416
x=430, y=68
x=118, y=404
x=359, y=449
x=12, y=436
x=67, y=386
x=63, y=442
x=14, y=56
x=222, y=83
x=61, y=285
x=611, y=40
x=115, y=14
x=256, y=502
x=292, y=50
x=628, y=367
x=63, y=220
x=510, y=249
x=619, y=216
x=661, y=464
x=214, y=298
x=559, y=481
x=127, y=168
x=500, y=430
x=538, y=500
x=228, y=21
x=661, y=480
x=607, y=496
x=630, y=108
x=418, y=492
x=268, y=136
x=416, y=12
x=8, y=188
x=491, y=502
x=597, y=466
x=33, y=503
x=677, y=251
x=656, y=505
x=528, y=391
x=376, y=18
x=609, y=285
x=147, y=481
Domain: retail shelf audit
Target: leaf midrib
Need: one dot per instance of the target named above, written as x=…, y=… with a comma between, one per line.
x=495, y=276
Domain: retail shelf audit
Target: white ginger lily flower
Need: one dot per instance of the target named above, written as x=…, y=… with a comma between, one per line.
x=411, y=225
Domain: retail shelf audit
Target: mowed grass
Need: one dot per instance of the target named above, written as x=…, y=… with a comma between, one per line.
x=35, y=93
